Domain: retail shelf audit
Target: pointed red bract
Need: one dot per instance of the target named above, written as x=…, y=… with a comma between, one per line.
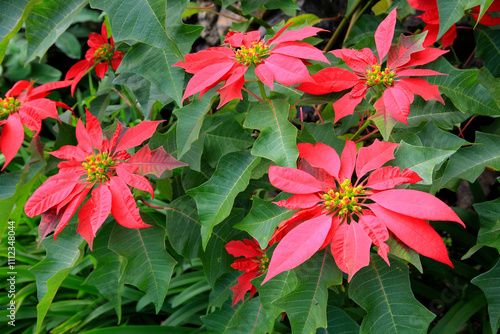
x=293, y=180
x=93, y=213
x=136, y=135
x=374, y=156
x=321, y=156
x=384, y=34
x=153, y=162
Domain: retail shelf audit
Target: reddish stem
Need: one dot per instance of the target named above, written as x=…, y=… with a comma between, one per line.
x=153, y=206
x=249, y=92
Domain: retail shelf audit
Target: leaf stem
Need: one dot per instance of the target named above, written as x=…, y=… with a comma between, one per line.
x=262, y=91
x=361, y=129
x=249, y=92
x=128, y=100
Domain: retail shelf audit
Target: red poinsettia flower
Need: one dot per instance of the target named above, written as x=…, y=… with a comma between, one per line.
x=25, y=105
x=398, y=90
x=105, y=167
x=100, y=55
x=352, y=213
x=488, y=19
x=253, y=264
x=279, y=59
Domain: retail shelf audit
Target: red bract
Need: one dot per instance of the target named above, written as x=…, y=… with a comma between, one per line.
x=279, y=59
x=104, y=167
x=253, y=264
x=398, y=90
x=25, y=105
x=352, y=214
x=100, y=55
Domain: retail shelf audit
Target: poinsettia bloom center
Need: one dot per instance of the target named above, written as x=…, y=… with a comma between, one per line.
x=253, y=55
x=8, y=106
x=344, y=201
x=97, y=166
x=374, y=76
x=264, y=262
x=104, y=53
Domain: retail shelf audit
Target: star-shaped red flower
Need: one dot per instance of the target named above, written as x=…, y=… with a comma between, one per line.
x=280, y=59
x=105, y=168
x=100, y=55
x=396, y=89
x=352, y=213
x=25, y=105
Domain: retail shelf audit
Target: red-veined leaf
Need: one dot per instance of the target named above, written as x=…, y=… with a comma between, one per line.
x=374, y=156
x=377, y=232
x=347, y=160
x=287, y=70
x=397, y=103
x=400, y=54
x=70, y=210
x=300, y=50
x=346, y=104
x=294, y=35
x=136, y=135
x=321, y=156
x=153, y=162
x=84, y=141
x=93, y=213
x=126, y=173
x=384, y=34
x=389, y=177
x=422, y=88
x=11, y=138
x=242, y=248
x=123, y=206
x=330, y=79
x=94, y=130
x=293, y=181
x=358, y=60
x=208, y=76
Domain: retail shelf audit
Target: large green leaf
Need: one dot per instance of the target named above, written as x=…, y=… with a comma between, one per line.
x=432, y=136
x=8, y=183
x=467, y=163
x=252, y=319
x=421, y=160
x=14, y=12
x=489, y=218
x=189, y=122
x=276, y=140
x=489, y=282
x=462, y=88
x=215, y=197
x=263, y=218
x=222, y=288
x=385, y=293
x=52, y=270
x=106, y=276
x=488, y=48
x=485, y=4
x=450, y=12
x=249, y=6
x=339, y=322
x=220, y=321
x=149, y=266
x=321, y=133
x=47, y=21
x=306, y=304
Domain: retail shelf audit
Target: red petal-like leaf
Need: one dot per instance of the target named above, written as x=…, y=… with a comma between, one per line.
x=326, y=180
x=45, y=88
x=358, y=60
x=416, y=204
x=84, y=141
x=389, y=177
x=378, y=233
x=300, y=201
x=80, y=187
x=294, y=35
x=78, y=69
x=232, y=87
x=346, y=104
x=300, y=50
x=321, y=156
x=136, y=135
x=94, y=213
x=330, y=79
x=31, y=120
x=347, y=160
x=153, y=162
x=374, y=156
x=414, y=232
x=125, y=172
x=195, y=62
x=422, y=88
x=70, y=210
x=69, y=152
x=424, y=57
x=101, y=69
x=243, y=285
x=293, y=181
x=208, y=76
x=400, y=53
x=287, y=70
x=123, y=206
x=237, y=39
x=416, y=73
x=397, y=103
x=239, y=248
x=245, y=264
x=351, y=248
x=299, y=245
x=384, y=34
x=17, y=88
x=43, y=108
x=288, y=225
x=94, y=130
x=11, y=138
x=48, y=220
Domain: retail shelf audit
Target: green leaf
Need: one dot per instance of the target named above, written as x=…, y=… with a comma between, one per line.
x=190, y=119
x=404, y=252
x=385, y=293
x=222, y=288
x=339, y=322
x=467, y=163
x=462, y=88
x=306, y=304
x=249, y=6
x=47, y=21
x=183, y=227
x=384, y=122
x=263, y=218
x=489, y=282
x=108, y=271
x=489, y=219
x=8, y=183
x=321, y=133
x=485, y=4
x=221, y=320
x=215, y=197
x=276, y=140
x=68, y=43
x=149, y=266
x=450, y=12
x=54, y=268
x=432, y=136
x=309, y=19
x=150, y=329
x=14, y=12
x=252, y=319
x=421, y=160
x=488, y=48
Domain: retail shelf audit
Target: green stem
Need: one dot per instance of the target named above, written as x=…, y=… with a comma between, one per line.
x=91, y=85
x=249, y=16
x=131, y=103
x=361, y=129
x=262, y=90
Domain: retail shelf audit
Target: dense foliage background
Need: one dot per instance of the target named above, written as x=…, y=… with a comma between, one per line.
x=175, y=277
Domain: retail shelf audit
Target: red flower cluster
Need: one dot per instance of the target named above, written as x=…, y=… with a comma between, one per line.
x=397, y=90
x=103, y=166
x=25, y=105
x=100, y=55
x=254, y=264
x=352, y=214
x=279, y=59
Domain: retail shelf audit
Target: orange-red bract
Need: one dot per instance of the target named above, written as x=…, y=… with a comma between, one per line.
x=349, y=208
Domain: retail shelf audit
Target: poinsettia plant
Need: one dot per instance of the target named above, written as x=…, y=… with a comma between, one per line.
x=250, y=166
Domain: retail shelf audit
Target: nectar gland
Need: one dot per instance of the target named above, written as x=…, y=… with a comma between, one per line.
x=264, y=262
x=376, y=77
x=97, y=166
x=252, y=55
x=345, y=201
x=8, y=105
x=104, y=53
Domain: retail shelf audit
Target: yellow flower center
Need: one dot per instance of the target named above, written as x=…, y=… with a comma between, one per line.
x=344, y=201
x=376, y=77
x=104, y=53
x=8, y=105
x=97, y=166
x=252, y=55
x=264, y=262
